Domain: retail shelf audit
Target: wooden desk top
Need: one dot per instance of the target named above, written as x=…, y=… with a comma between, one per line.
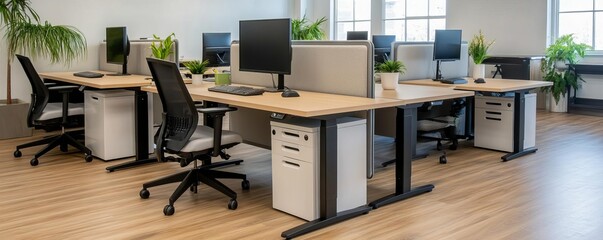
x=491, y=85
x=106, y=82
x=411, y=94
x=309, y=104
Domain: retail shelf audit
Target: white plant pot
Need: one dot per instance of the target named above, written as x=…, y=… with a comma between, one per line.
x=389, y=81
x=197, y=78
x=561, y=106
x=560, y=65
x=479, y=71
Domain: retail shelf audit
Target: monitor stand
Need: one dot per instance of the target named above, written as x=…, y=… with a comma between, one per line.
x=124, y=71
x=438, y=76
x=280, y=85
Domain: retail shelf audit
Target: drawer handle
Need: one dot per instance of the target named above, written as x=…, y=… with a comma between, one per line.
x=494, y=103
x=494, y=113
x=495, y=119
x=292, y=134
x=95, y=98
x=291, y=163
x=291, y=148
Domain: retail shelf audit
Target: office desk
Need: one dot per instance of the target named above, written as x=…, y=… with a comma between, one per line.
x=324, y=107
x=129, y=82
x=406, y=133
x=519, y=87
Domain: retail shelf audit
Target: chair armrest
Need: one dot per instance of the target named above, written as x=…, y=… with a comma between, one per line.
x=48, y=84
x=64, y=88
x=214, y=110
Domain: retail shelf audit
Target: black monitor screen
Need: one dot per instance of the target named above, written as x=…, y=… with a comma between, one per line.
x=447, y=45
x=265, y=46
x=216, y=49
x=117, y=42
x=383, y=41
x=357, y=35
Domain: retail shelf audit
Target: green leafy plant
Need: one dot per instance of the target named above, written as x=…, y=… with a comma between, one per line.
x=566, y=51
x=391, y=66
x=302, y=30
x=478, y=48
x=24, y=33
x=164, y=48
x=196, y=67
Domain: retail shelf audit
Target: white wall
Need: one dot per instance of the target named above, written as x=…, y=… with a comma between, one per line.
x=188, y=19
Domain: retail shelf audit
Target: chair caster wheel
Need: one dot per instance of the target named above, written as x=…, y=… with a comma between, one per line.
x=193, y=188
x=34, y=162
x=144, y=193
x=245, y=184
x=443, y=159
x=169, y=210
x=439, y=146
x=232, y=204
x=88, y=157
x=17, y=153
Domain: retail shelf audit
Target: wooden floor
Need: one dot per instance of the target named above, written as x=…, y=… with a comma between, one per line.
x=556, y=193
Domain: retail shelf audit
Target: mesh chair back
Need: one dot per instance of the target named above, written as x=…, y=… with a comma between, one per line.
x=39, y=95
x=180, y=112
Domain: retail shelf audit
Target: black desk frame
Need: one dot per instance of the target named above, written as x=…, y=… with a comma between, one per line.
x=519, y=114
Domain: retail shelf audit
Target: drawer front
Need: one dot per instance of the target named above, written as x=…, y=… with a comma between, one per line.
x=295, y=187
x=294, y=151
x=495, y=103
x=494, y=129
x=294, y=136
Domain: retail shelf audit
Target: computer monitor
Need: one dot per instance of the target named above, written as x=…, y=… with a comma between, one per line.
x=446, y=47
x=216, y=49
x=357, y=35
x=118, y=48
x=383, y=47
x=265, y=47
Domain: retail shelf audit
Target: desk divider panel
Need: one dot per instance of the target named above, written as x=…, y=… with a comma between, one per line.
x=339, y=67
x=418, y=58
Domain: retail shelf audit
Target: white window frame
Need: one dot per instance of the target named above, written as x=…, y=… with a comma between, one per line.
x=353, y=21
x=405, y=19
x=554, y=24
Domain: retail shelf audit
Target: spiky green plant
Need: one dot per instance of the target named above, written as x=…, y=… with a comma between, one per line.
x=164, y=48
x=391, y=66
x=302, y=30
x=478, y=48
x=196, y=66
x=25, y=33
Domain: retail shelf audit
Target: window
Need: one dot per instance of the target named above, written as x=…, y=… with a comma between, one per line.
x=352, y=15
x=583, y=18
x=414, y=20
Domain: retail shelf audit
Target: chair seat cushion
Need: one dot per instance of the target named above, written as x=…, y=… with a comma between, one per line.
x=203, y=138
x=55, y=110
x=429, y=125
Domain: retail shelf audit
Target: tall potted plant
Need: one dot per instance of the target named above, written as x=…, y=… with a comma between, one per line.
x=302, y=30
x=390, y=71
x=24, y=33
x=478, y=50
x=564, y=51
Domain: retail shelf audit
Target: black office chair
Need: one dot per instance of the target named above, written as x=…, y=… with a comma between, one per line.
x=43, y=114
x=438, y=121
x=179, y=134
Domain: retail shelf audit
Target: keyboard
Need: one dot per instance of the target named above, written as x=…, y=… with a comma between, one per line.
x=237, y=90
x=88, y=74
x=454, y=80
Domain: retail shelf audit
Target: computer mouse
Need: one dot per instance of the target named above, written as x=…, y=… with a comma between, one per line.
x=290, y=93
x=479, y=80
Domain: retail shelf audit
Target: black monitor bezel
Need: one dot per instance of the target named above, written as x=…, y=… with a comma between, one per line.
x=272, y=71
x=438, y=39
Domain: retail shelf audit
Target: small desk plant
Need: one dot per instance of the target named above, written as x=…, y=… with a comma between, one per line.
x=164, y=48
x=390, y=71
x=478, y=50
x=563, y=52
x=197, y=68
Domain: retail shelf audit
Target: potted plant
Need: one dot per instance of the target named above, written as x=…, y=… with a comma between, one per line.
x=164, y=48
x=302, y=30
x=390, y=71
x=197, y=68
x=24, y=33
x=478, y=50
x=564, y=51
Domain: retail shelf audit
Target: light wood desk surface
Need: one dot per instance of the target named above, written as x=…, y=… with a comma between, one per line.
x=106, y=82
x=411, y=94
x=309, y=104
x=491, y=85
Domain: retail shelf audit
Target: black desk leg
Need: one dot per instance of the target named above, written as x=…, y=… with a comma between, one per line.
x=518, y=128
x=415, y=155
x=328, y=186
x=141, y=106
x=469, y=112
x=405, y=117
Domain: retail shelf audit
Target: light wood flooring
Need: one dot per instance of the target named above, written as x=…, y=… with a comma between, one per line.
x=556, y=193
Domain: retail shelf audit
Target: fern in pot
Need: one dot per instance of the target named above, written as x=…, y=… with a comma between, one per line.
x=197, y=68
x=390, y=71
